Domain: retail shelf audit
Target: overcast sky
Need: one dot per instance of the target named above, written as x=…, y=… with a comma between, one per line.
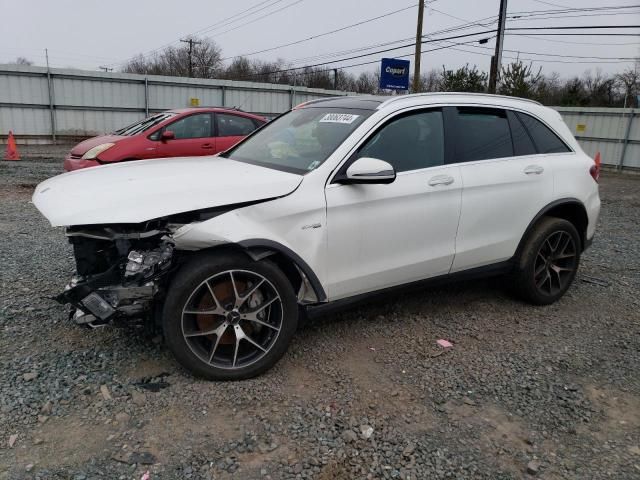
x=89, y=33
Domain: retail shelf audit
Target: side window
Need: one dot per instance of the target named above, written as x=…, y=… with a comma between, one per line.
x=193, y=126
x=545, y=140
x=522, y=143
x=481, y=134
x=234, y=125
x=410, y=142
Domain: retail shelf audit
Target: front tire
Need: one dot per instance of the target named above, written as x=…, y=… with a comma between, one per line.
x=548, y=262
x=229, y=317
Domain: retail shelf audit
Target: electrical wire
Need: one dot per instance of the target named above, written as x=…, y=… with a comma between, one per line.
x=221, y=23
x=324, y=34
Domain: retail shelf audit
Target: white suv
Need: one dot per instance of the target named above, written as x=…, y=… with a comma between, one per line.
x=332, y=201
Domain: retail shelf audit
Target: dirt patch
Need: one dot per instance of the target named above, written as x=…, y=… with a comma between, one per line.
x=301, y=382
x=505, y=435
x=167, y=431
x=621, y=412
x=149, y=368
x=61, y=442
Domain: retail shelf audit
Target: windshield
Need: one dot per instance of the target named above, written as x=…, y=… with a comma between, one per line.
x=300, y=140
x=144, y=125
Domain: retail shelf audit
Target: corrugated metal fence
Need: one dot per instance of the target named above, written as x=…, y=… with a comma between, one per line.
x=40, y=105
x=614, y=132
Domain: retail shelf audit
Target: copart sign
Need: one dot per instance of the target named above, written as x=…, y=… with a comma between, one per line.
x=394, y=74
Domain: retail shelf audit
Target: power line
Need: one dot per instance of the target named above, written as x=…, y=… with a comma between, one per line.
x=219, y=24
x=313, y=37
x=578, y=27
x=229, y=20
x=543, y=60
x=592, y=34
x=549, y=3
x=456, y=28
x=434, y=40
x=257, y=19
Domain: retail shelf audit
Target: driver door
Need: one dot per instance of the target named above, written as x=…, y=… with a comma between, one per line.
x=382, y=235
x=193, y=137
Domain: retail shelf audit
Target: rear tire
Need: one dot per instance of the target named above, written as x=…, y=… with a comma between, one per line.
x=548, y=262
x=229, y=317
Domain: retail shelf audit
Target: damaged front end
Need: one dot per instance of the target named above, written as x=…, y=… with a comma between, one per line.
x=120, y=270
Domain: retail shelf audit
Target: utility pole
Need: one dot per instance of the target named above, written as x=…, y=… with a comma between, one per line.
x=496, y=60
x=191, y=43
x=416, y=61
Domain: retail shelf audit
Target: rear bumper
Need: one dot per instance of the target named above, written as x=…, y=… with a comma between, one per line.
x=71, y=164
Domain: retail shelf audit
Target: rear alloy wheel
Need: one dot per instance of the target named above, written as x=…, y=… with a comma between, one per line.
x=555, y=263
x=229, y=318
x=549, y=261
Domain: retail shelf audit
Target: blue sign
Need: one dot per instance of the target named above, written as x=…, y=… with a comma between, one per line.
x=394, y=74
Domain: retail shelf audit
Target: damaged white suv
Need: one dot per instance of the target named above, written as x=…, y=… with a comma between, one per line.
x=337, y=199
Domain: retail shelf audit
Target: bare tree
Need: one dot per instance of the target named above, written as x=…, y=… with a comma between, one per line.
x=600, y=88
x=22, y=61
x=630, y=82
x=174, y=61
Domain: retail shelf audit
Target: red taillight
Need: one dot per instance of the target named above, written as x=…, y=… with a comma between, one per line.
x=595, y=168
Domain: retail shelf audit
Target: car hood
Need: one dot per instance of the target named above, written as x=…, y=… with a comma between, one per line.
x=133, y=192
x=84, y=147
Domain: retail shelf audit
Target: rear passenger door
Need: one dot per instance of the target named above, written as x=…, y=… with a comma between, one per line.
x=505, y=183
x=231, y=129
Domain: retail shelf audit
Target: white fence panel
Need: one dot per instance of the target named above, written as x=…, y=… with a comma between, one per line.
x=67, y=104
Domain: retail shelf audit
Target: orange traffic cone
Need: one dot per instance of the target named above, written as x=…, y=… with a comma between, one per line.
x=12, y=149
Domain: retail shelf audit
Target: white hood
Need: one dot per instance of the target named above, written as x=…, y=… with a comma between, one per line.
x=133, y=192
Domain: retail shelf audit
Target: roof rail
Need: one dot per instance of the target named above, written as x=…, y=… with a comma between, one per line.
x=475, y=94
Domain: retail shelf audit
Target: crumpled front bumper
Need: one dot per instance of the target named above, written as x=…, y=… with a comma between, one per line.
x=125, y=290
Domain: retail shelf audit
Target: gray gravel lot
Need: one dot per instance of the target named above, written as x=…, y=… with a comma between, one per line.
x=526, y=392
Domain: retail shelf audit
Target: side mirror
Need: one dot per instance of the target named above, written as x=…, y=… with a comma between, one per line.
x=369, y=170
x=167, y=135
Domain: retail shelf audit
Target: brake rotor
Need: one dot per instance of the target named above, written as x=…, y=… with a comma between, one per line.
x=226, y=296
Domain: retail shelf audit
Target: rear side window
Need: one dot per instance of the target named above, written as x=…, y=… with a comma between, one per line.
x=545, y=140
x=522, y=143
x=410, y=142
x=234, y=125
x=481, y=134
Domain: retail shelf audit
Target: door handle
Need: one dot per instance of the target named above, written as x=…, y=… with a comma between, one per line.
x=533, y=170
x=440, y=180
x=207, y=146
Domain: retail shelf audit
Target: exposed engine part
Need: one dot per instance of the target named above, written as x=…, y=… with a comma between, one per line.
x=119, y=273
x=98, y=306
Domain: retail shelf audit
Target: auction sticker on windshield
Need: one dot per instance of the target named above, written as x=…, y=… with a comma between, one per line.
x=339, y=118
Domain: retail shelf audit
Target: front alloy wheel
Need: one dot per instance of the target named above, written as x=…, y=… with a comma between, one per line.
x=229, y=317
x=232, y=319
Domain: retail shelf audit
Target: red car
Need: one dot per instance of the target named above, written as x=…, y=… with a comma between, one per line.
x=187, y=132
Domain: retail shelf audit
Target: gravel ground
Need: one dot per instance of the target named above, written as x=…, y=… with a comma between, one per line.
x=549, y=392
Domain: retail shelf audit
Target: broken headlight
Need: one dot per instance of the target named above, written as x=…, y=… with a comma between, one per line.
x=147, y=263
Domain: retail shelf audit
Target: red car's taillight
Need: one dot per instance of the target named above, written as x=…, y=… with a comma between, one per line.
x=595, y=168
